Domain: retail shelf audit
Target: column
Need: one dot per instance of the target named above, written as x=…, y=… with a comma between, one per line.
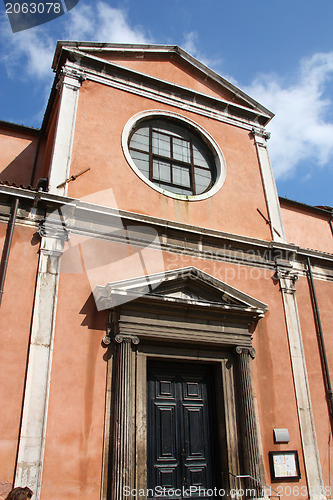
x=313, y=472
x=123, y=460
x=248, y=420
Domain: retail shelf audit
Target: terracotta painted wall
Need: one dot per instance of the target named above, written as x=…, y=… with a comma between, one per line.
x=175, y=72
x=15, y=320
x=48, y=141
x=102, y=114
x=307, y=229
x=17, y=155
x=314, y=366
x=74, y=442
x=73, y=454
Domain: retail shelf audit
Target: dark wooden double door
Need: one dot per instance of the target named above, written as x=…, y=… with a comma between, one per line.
x=182, y=438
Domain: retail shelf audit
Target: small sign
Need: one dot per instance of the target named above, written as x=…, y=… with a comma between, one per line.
x=284, y=465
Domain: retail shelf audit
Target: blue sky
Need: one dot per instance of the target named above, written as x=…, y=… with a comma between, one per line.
x=278, y=51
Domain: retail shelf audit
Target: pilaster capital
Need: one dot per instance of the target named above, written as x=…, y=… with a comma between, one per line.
x=287, y=280
x=71, y=79
x=250, y=351
x=261, y=136
x=127, y=338
x=56, y=231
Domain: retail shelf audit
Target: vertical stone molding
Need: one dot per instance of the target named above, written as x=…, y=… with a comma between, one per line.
x=69, y=85
x=34, y=418
x=272, y=199
x=248, y=420
x=123, y=462
x=313, y=471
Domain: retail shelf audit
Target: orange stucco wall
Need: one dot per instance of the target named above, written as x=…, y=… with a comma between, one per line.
x=74, y=444
x=73, y=453
x=45, y=158
x=17, y=155
x=314, y=366
x=15, y=320
x=101, y=116
x=307, y=229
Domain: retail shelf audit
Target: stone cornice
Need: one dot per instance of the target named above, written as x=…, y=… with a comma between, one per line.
x=80, y=218
x=129, y=80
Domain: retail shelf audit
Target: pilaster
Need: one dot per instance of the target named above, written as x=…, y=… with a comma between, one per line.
x=35, y=406
x=272, y=199
x=69, y=85
x=287, y=280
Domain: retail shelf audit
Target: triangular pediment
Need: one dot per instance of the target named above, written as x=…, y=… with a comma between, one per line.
x=188, y=286
x=166, y=63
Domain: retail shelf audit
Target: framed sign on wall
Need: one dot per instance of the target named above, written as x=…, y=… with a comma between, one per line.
x=284, y=465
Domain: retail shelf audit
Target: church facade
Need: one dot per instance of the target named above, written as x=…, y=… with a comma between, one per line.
x=165, y=316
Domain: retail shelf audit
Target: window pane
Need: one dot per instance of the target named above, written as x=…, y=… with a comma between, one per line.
x=202, y=180
x=177, y=190
x=169, y=128
x=181, y=176
x=140, y=139
x=161, y=144
x=141, y=160
x=181, y=150
x=161, y=171
x=199, y=158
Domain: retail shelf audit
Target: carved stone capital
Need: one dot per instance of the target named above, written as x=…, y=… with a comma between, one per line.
x=260, y=136
x=127, y=338
x=56, y=231
x=287, y=280
x=71, y=79
x=250, y=351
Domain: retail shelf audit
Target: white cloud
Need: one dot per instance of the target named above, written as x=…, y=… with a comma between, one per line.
x=102, y=23
x=27, y=52
x=190, y=44
x=31, y=51
x=301, y=129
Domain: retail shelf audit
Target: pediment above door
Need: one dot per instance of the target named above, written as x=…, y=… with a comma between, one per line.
x=186, y=286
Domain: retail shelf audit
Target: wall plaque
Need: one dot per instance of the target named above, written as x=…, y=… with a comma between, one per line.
x=284, y=465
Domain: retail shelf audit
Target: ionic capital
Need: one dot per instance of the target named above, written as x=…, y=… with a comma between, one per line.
x=287, y=280
x=250, y=351
x=127, y=338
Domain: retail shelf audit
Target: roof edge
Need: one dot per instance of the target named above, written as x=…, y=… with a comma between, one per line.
x=305, y=206
x=18, y=126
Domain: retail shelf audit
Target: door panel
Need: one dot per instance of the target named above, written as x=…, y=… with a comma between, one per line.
x=181, y=429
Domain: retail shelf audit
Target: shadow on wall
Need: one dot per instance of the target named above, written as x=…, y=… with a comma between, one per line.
x=20, y=169
x=94, y=319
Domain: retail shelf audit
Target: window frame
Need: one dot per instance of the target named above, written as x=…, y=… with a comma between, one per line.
x=198, y=132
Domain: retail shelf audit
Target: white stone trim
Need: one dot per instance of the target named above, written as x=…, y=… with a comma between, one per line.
x=303, y=400
x=272, y=199
x=169, y=98
x=64, y=135
x=29, y=465
x=207, y=138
